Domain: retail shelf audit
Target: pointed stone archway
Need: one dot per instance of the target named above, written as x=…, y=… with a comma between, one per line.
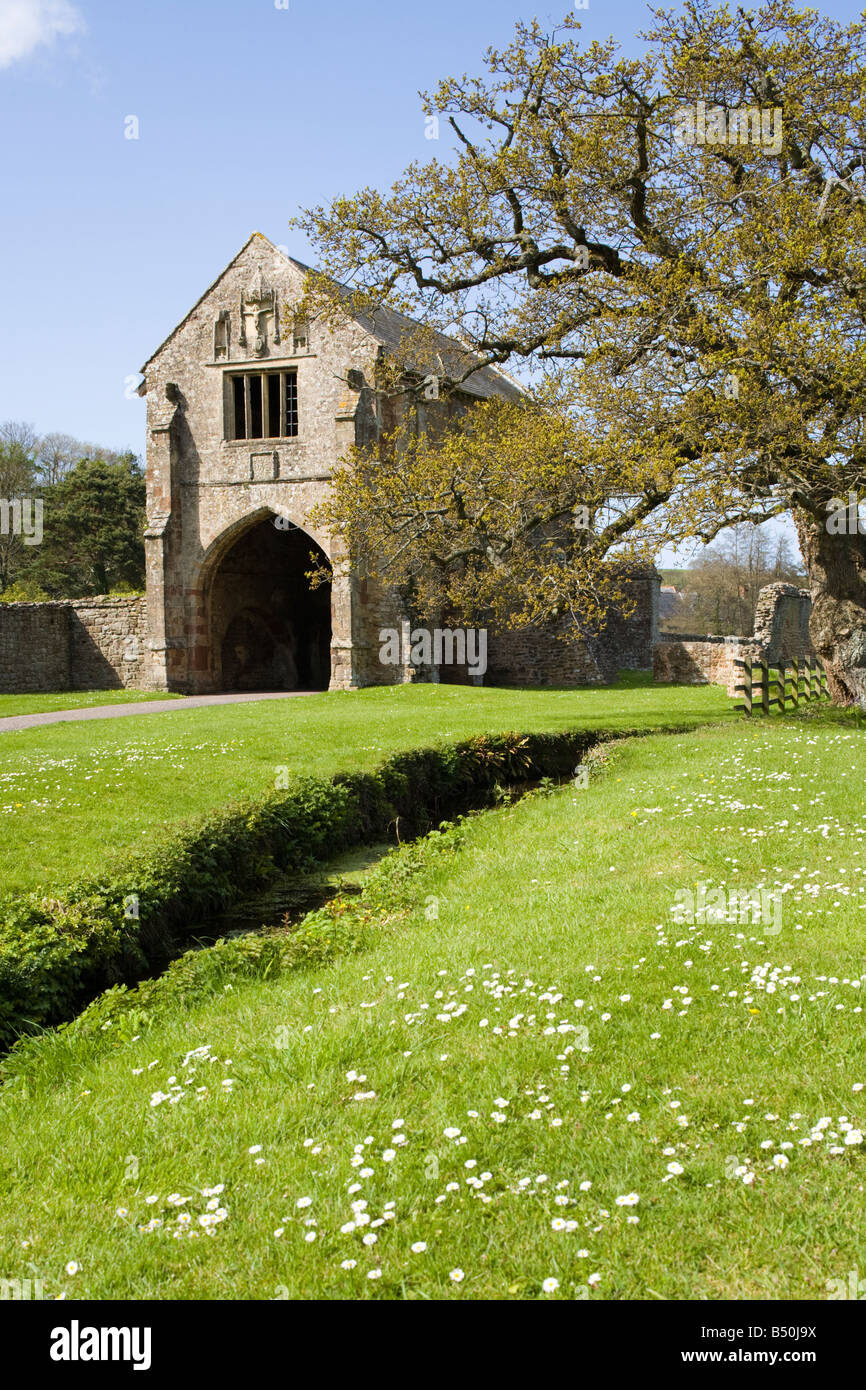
x=267, y=628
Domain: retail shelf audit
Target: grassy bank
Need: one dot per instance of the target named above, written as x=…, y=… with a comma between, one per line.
x=70, y=794
x=517, y=1068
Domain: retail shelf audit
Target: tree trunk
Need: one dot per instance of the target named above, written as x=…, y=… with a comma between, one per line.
x=837, y=579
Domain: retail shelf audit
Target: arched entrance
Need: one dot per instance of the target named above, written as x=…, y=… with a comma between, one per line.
x=269, y=630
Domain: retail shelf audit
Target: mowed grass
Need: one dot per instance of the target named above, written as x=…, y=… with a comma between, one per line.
x=428, y=1118
x=13, y=705
x=71, y=794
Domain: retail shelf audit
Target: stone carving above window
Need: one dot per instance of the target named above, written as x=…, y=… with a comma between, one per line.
x=300, y=338
x=264, y=466
x=259, y=318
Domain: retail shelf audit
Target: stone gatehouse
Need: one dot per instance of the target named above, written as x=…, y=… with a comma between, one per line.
x=249, y=409
x=248, y=412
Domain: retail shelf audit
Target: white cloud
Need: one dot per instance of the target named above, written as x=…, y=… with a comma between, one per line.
x=26, y=24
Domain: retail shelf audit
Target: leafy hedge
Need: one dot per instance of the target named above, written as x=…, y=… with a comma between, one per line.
x=58, y=953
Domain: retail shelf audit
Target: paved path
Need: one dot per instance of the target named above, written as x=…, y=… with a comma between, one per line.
x=65, y=716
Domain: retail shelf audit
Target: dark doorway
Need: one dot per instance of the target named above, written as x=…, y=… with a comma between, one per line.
x=270, y=630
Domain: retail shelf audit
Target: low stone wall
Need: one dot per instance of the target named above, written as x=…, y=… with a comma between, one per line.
x=527, y=656
x=781, y=635
x=101, y=644
x=79, y=644
x=539, y=656
x=34, y=647
x=108, y=644
x=704, y=661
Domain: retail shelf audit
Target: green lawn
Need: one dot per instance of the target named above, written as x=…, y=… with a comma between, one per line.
x=531, y=1073
x=12, y=705
x=72, y=793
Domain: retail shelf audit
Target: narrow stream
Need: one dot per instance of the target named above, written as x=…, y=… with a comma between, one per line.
x=288, y=897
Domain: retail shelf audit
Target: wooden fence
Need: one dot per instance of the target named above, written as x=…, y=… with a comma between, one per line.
x=793, y=685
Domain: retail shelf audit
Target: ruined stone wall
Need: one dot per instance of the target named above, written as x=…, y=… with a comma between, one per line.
x=706, y=661
x=84, y=644
x=782, y=623
x=540, y=656
x=627, y=643
x=781, y=635
x=533, y=656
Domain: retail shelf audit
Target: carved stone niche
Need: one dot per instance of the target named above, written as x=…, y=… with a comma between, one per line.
x=222, y=335
x=259, y=318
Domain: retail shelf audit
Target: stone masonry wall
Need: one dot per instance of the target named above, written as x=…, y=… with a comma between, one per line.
x=205, y=488
x=530, y=656
x=108, y=644
x=538, y=656
x=82, y=644
x=782, y=622
x=781, y=635
x=709, y=661
x=34, y=647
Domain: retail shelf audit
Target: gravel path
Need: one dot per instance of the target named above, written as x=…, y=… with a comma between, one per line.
x=64, y=716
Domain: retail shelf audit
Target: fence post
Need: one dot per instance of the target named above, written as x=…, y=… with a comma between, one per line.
x=741, y=689
x=764, y=668
x=747, y=687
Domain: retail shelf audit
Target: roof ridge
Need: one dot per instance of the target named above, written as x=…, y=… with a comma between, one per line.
x=384, y=310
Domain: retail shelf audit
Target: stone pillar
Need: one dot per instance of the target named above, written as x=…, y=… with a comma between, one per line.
x=161, y=416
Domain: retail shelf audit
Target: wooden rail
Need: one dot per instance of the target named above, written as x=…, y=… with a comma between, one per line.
x=794, y=684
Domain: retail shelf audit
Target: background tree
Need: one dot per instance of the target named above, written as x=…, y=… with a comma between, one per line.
x=719, y=591
x=18, y=479
x=701, y=305
x=57, y=454
x=94, y=529
x=89, y=544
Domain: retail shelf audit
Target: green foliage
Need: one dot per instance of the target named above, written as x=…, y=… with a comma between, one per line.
x=23, y=591
x=686, y=311
x=345, y=924
x=550, y=901
x=94, y=527
x=75, y=792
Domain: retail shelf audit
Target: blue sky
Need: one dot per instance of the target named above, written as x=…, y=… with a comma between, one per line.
x=247, y=112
